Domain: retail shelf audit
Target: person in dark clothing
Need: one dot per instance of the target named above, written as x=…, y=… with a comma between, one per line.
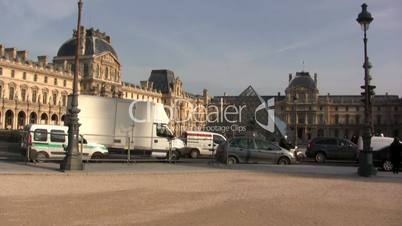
x=395, y=148
x=354, y=139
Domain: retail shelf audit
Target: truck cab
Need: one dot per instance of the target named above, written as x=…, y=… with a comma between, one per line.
x=201, y=143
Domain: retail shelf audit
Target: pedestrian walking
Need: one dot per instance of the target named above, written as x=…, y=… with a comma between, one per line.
x=396, y=149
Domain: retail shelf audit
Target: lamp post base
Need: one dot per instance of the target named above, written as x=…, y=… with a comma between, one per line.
x=71, y=163
x=366, y=167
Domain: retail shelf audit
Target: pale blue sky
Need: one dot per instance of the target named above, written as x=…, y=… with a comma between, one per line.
x=225, y=45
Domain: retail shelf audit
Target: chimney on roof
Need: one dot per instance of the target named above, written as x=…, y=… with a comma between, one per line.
x=315, y=79
x=42, y=60
x=290, y=77
x=1, y=50
x=10, y=53
x=22, y=55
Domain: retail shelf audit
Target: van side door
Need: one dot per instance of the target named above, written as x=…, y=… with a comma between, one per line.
x=40, y=141
x=265, y=151
x=347, y=150
x=332, y=148
x=57, y=140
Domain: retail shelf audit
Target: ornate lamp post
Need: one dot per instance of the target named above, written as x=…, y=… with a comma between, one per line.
x=366, y=168
x=73, y=159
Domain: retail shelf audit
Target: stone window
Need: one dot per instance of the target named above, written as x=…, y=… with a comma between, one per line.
x=35, y=77
x=45, y=79
x=86, y=70
x=11, y=92
x=107, y=73
x=54, y=98
x=44, y=99
x=336, y=119
x=65, y=83
x=64, y=100
x=1, y=71
x=55, y=81
x=379, y=120
x=12, y=73
x=357, y=119
x=23, y=94
x=34, y=94
x=24, y=75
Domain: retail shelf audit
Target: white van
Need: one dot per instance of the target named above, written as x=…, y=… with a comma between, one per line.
x=201, y=143
x=48, y=142
x=381, y=152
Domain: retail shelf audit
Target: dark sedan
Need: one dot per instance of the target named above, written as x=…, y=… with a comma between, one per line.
x=252, y=150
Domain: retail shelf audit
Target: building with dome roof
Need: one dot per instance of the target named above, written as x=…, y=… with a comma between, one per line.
x=307, y=114
x=36, y=91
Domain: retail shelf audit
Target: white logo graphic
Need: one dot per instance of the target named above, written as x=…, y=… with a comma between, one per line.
x=269, y=108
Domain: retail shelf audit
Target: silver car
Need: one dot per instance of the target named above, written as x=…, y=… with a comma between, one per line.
x=253, y=150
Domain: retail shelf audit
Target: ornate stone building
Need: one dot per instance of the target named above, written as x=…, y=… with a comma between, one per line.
x=36, y=92
x=306, y=114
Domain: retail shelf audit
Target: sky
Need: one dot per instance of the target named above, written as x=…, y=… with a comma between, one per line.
x=225, y=45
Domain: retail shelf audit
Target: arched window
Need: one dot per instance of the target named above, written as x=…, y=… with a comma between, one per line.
x=33, y=118
x=21, y=120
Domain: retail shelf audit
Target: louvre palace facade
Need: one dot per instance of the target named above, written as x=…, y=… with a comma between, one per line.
x=37, y=91
x=302, y=113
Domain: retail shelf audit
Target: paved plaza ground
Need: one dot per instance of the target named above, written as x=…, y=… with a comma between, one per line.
x=197, y=193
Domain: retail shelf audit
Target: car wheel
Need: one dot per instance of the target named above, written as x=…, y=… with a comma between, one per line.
x=320, y=157
x=97, y=156
x=194, y=154
x=232, y=160
x=283, y=161
x=387, y=165
x=41, y=157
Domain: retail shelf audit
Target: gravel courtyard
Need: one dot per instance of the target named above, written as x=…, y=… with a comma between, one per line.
x=197, y=197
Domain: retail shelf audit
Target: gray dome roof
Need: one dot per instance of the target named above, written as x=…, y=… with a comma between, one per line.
x=302, y=80
x=94, y=45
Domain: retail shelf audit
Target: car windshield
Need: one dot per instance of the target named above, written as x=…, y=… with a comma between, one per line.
x=264, y=145
x=242, y=143
x=218, y=139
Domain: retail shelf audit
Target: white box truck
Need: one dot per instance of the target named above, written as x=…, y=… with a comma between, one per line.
x=110, y=121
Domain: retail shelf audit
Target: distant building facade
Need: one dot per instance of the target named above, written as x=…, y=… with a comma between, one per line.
x=36, y=92
x=308, y=114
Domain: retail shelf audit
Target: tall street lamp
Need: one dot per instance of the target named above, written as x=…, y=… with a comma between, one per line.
x=73, y=159
x=366, y=167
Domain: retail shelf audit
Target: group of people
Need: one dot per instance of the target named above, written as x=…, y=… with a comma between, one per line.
x=396, y=150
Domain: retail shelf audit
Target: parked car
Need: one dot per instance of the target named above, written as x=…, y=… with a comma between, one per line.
x=253, y=150
x=48, y=142
x=381, y=153
x=331, y=148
